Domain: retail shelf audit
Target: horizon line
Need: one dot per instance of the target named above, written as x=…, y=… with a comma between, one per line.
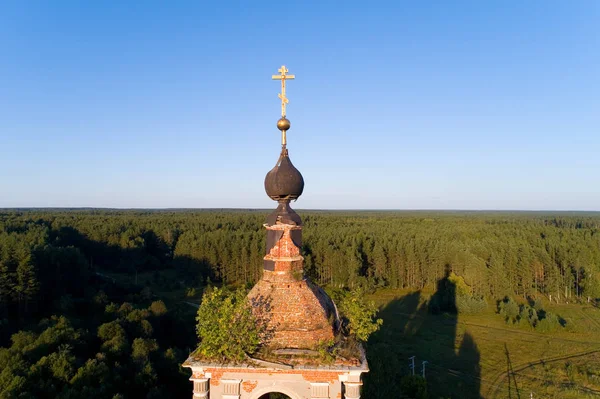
x=91, y=208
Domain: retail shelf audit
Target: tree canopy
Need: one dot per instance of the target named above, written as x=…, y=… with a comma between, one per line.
x=226, y=327
x=69, y=330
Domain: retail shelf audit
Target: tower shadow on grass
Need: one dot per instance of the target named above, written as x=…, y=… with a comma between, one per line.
x=429, y=331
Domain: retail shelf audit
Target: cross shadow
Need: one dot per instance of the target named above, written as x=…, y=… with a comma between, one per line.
x=427, y=330
x=512, y=382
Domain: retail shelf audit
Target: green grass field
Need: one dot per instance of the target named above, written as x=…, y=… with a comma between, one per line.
x=472, y=356
x=469, y=356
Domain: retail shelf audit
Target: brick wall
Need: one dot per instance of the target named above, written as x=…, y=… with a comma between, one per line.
x=299, y=313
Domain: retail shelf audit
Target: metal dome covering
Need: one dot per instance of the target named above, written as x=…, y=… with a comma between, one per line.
x=284, y=181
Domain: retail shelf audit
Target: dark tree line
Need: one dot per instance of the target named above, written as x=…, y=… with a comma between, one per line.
x=118, y=339
x=499, y=254
x=67, y=333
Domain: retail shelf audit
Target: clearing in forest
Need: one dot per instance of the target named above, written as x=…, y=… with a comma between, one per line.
x=480, y=355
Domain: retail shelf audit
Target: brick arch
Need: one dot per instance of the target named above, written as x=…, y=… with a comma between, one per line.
x=275, y=389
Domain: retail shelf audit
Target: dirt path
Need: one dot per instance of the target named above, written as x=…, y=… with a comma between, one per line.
x=594, y=321
x=501, y=377
x=507, y=329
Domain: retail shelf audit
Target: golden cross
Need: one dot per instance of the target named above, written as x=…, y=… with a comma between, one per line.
x=283, y=77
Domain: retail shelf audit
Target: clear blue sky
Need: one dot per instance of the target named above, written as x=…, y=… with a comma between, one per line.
x=404, y=105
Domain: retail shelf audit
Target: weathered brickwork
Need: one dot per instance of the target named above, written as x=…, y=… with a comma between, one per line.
x=300, y=317
x=307, y=375
x=300, y=313
x=299, y=383
x=249, y=386
x=285, y=247
x=197, y=375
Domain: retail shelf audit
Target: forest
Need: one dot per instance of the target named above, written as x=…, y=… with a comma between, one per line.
x=68, y=330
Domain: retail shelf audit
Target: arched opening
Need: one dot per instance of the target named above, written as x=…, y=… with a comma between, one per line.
x=275, y=392
x=274, y=395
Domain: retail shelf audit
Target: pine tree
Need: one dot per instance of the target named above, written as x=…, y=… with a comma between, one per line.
x=27, y=285
x=6, y=287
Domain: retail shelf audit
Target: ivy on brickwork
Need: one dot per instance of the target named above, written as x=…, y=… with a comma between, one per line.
x=227, y=329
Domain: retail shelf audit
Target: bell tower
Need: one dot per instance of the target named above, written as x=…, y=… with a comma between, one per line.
x=299, y=359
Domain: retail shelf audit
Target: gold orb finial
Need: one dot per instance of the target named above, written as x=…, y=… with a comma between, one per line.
x=283, y=124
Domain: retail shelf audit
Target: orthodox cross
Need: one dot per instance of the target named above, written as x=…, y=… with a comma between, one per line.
x=283, y=71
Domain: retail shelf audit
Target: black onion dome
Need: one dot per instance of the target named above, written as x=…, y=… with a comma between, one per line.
x=284, y=181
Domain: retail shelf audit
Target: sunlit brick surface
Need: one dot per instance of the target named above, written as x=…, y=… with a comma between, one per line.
x=300, y=313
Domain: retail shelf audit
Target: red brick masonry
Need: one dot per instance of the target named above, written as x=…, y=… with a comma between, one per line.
x=308, y=375
x=300, y=313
